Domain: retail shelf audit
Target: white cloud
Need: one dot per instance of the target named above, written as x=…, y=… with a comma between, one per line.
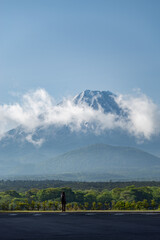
x=39, y=109
x=143, y=115
x=36, y=142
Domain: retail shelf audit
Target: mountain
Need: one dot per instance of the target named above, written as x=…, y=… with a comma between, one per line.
x=22, y=153
x=104, y=160
x=58, y=139
x=99, y=99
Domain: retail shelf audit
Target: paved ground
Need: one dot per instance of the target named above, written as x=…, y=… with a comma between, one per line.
x=69, y=226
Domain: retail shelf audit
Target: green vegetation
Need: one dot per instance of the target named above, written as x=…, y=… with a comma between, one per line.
x=126, y=198
x=25, y=185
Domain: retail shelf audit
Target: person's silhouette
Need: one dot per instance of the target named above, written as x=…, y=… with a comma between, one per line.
x=63, y=200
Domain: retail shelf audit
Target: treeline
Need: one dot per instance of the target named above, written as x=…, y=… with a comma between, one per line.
x=127, y=198
x=24, y=185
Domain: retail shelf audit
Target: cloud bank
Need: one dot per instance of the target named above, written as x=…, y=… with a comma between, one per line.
x=143, y=118
x=38, y=108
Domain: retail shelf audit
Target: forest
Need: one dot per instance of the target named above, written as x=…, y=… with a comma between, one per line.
x=24, y=185
x=119, y=198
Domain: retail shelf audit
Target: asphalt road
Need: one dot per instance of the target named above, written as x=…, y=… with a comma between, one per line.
x=69, y=226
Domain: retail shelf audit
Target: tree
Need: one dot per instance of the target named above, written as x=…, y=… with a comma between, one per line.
x=99, y=206
x=32, y=205
x=90, y=197
x=20, y=206
x=75, y=206
x=139, y=205
x=79, y=196
x=145, y=204
x=26, y=205
x=94, y=206
x=50, y=204
x=11, y=207
x=133, y=205
x=107, y=206
x=86, y=205
x=127, y=205
x=69, y=206
x=104, y=196
x=56, y=205
x=12, y=193
x=38, y=206
x=120, y=205
x=5, y=206
x=44, y=205
x=116, y=193
x=153, y=204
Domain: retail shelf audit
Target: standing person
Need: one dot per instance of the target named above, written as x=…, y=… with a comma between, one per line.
x=63, y=200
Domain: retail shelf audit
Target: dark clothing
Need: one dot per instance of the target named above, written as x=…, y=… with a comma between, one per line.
x=63, y=200
x=63, y=207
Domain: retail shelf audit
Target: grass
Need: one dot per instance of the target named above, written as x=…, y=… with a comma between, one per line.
x=80, y=211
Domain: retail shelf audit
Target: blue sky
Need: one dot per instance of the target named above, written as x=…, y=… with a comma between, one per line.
x=67, y=46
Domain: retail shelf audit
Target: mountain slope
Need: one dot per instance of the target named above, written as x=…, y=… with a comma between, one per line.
x=101, y=158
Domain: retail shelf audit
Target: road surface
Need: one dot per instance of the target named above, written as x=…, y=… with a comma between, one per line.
x=76, y=226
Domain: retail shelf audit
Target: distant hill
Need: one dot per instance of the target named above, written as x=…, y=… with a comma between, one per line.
x=101, y=160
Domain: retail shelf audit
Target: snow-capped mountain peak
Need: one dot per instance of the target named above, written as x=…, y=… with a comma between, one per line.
x=98, y=99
